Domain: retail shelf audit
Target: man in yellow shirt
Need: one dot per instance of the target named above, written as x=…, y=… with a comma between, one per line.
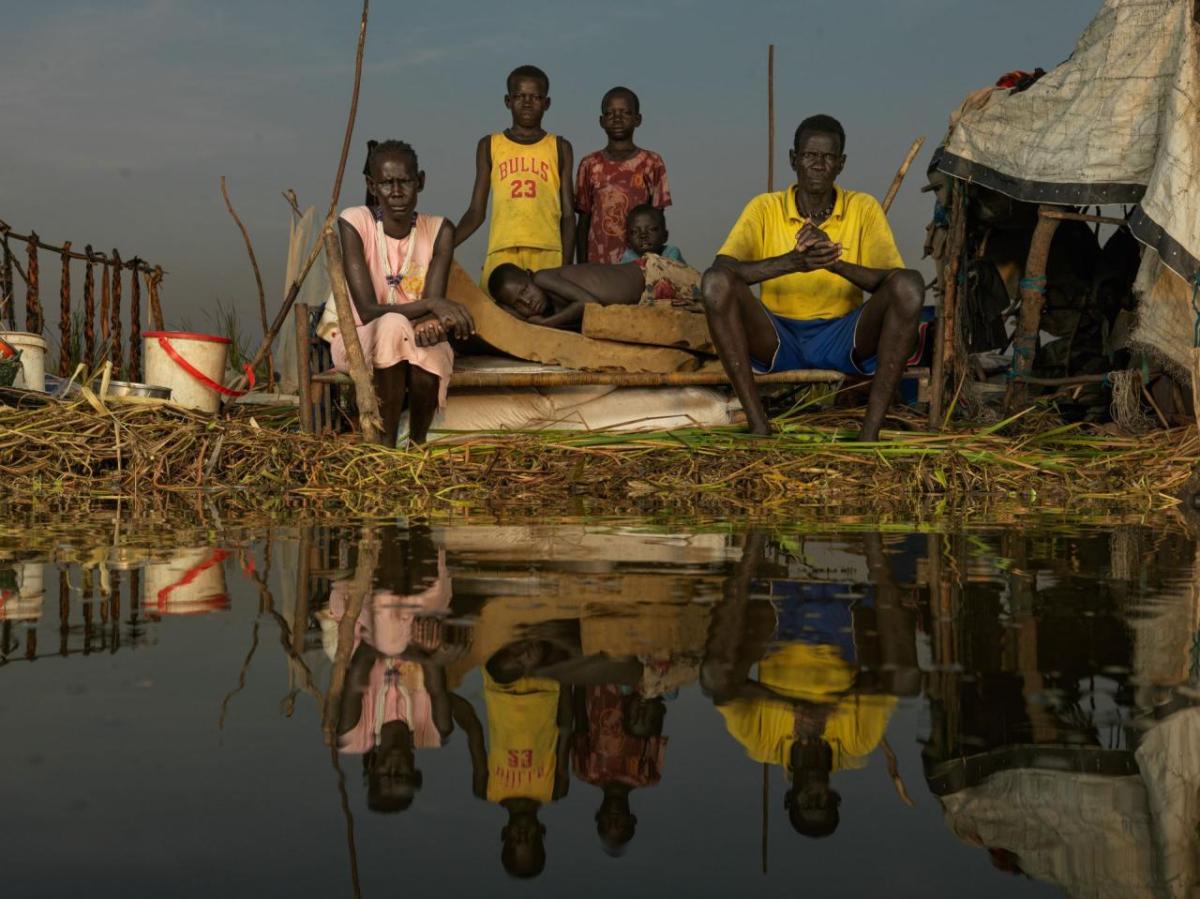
x=816, y=248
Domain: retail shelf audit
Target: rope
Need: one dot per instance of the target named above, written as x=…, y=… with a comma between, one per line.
x=1036, y=284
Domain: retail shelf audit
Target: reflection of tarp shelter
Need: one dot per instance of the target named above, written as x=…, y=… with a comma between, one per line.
x=1096, y=835
x=1118, y=122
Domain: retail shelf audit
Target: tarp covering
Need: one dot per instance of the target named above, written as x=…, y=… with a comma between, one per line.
x=1118, y=122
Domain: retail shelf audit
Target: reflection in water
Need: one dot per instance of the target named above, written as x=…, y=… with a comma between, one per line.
x=1055, y=670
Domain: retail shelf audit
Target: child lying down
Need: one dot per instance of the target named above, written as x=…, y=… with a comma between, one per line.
x=556, y=297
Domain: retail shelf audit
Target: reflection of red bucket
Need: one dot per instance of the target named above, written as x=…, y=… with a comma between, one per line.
x=191, y=582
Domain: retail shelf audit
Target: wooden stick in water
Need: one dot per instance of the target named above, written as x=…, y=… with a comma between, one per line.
x=262, y=296
x=903, y=170
x=360, y=371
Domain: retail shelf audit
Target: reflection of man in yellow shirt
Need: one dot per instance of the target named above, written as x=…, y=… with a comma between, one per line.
x=811, y=727
x=806, y=709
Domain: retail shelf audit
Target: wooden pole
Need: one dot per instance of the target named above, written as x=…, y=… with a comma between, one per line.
x=153, y=280
x=770, y=117
x=89, y=311
x=7, y=231
x=135, y=323
x=304, y=368
x=360, y=371
x=33, y=306
x=262, y=295
x=294, y=290
x=64, y=313
x=105, y=304
x=1033, y=298
x=901, y=172
x=943, y=350
x=8, y=299
x=116, y=352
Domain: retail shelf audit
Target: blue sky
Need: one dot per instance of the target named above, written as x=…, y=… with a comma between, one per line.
x=119, y=118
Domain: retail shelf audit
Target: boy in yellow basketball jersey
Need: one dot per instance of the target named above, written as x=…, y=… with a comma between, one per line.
x=522, y=167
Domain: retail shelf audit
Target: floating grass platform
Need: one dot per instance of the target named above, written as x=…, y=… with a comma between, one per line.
x=85, y=449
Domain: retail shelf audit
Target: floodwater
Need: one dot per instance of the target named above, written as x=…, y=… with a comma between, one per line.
x=605, y=709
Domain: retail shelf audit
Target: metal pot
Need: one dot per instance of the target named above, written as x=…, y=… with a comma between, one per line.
x=132, y=388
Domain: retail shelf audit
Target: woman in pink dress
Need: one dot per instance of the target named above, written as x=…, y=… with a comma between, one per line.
x=397, y=265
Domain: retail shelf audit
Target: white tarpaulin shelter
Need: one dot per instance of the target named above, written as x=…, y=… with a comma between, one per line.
x=1118, y=122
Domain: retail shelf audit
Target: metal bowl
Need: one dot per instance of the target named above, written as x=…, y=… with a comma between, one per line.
x=132, y=388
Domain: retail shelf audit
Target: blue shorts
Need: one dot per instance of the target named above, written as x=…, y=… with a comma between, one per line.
x=826, y=343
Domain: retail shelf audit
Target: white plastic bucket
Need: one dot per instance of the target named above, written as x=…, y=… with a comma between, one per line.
x=25, y=602
x=192, y=365
x=33, y=359
x=190, y=582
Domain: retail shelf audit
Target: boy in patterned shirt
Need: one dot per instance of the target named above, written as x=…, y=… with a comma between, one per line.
x=612, y=181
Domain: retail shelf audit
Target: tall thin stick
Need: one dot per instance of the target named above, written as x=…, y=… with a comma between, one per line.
x=153, y=279
x=294, y=290
x=115, y=350
x=360, y=372
x=8, y=299
x=64, y=313
x=135, y=322
x=89, y=311
x=770, y=117
x=262, y=296
x=33, y=305
x=903, y=170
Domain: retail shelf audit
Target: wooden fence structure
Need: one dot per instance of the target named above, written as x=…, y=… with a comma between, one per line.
x=78, y=333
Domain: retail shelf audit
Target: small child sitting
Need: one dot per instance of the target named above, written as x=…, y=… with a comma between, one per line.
x=646, y=232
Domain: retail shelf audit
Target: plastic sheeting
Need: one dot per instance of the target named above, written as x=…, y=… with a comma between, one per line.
x=1118, y=122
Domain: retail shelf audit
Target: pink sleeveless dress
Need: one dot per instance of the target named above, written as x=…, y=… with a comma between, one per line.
x=389, y=339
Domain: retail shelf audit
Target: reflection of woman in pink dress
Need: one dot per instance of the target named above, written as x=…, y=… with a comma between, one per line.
x=393, y=705
x=397, y=266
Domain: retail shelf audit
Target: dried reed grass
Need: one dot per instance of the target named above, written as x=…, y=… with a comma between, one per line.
x=68, y=451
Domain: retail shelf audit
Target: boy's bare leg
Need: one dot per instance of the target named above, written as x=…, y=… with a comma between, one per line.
x=422, y=403
x=740, y=327
x=888, y=331
x=390, y=386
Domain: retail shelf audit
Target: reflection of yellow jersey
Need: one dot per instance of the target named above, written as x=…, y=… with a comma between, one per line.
x=816, y=674
x=526, y=198
x=522, y=738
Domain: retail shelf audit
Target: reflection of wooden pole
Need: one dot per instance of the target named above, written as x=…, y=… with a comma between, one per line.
x=360, y=372
x=300, y=612
x=351, y=848
x=766, y=790
x=360, y=586
x=770, y=117
x=890, y=196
